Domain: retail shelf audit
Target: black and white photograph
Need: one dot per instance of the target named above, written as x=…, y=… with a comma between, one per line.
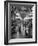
x=20, y=22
